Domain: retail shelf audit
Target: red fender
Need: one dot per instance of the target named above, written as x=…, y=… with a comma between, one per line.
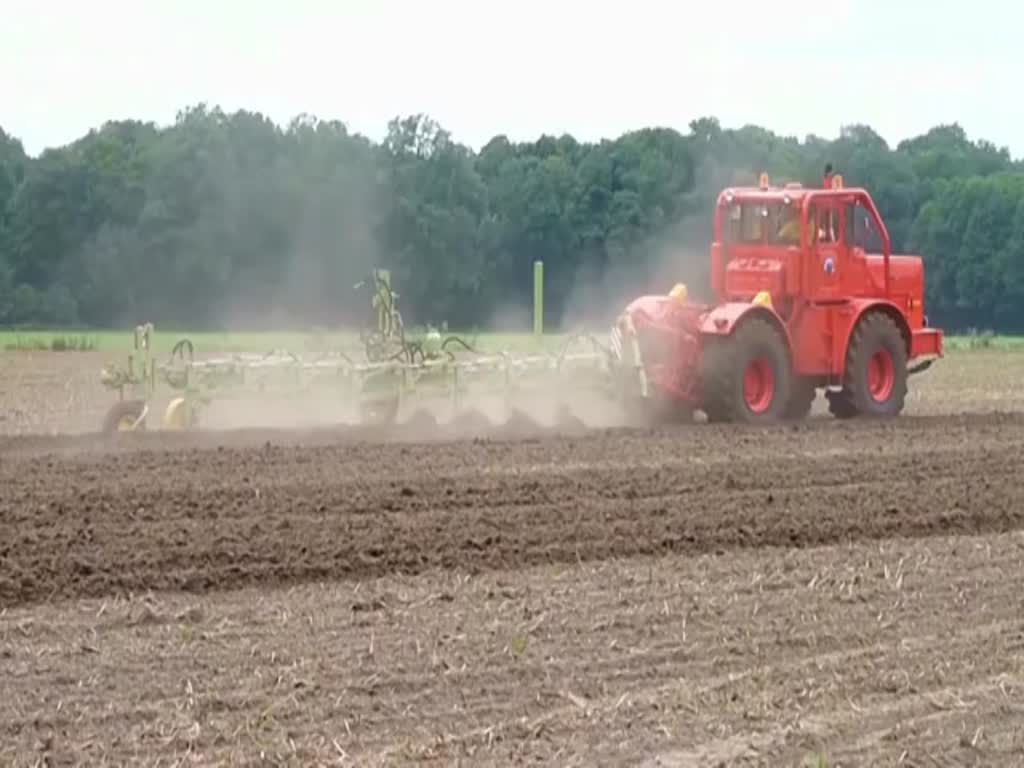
x=723, y=319
x=848, y=321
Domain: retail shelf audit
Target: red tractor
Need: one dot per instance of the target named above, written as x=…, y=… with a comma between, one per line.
x=799, y=305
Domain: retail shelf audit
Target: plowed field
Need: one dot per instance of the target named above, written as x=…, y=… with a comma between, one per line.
x=694, y=595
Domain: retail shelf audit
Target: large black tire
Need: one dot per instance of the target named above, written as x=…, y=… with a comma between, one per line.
x=875, y=379
x=747, y=377
x=120, y=413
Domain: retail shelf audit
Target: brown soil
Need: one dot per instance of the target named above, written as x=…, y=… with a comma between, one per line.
x=905, y=653
x=208, y=514
x=696, y=595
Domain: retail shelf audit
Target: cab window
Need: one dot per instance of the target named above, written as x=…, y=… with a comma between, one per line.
x=828, y=225
x=762, y=223
x=860, y=231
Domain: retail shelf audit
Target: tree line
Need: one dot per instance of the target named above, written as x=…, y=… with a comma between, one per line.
x=230, y=220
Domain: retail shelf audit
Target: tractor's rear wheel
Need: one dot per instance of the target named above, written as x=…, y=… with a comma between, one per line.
x=875, y=380
x=746, y=377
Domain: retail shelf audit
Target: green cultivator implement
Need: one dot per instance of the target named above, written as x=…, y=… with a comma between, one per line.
x=394, y=377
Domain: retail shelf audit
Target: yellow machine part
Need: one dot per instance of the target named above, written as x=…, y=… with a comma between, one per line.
x=679, y=292
x=176, y=414
x=763, y=299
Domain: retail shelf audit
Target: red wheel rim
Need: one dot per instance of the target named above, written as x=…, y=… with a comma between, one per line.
x=758, y=385
x=881, y=375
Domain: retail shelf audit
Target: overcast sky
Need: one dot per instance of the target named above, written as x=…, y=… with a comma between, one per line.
x=521, y=68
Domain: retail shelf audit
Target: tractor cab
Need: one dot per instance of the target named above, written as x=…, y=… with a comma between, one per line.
x=795, y=243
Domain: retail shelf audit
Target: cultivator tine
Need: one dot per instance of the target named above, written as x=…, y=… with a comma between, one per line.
x=141, y=419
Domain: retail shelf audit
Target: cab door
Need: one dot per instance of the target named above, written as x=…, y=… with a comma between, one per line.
x=828, y=251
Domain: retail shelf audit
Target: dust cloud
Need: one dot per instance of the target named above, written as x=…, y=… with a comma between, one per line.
x=331, y=247
x=333, y=243
x=678, y=254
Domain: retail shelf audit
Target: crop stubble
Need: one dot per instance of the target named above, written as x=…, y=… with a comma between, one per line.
x=695, y=594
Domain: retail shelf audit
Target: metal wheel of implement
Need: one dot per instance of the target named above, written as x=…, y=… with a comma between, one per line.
x=125, y=416
x=179, y=415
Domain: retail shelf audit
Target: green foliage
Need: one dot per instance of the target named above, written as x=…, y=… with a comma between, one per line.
x=55, y=343
x=229, y=220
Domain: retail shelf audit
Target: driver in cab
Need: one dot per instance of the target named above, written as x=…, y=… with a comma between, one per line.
x=789, y=230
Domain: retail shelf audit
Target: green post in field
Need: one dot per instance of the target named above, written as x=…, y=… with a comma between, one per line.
x=538, y=298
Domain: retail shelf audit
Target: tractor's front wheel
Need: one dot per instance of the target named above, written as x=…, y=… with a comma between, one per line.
x=746, y=377
x=875, y=380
